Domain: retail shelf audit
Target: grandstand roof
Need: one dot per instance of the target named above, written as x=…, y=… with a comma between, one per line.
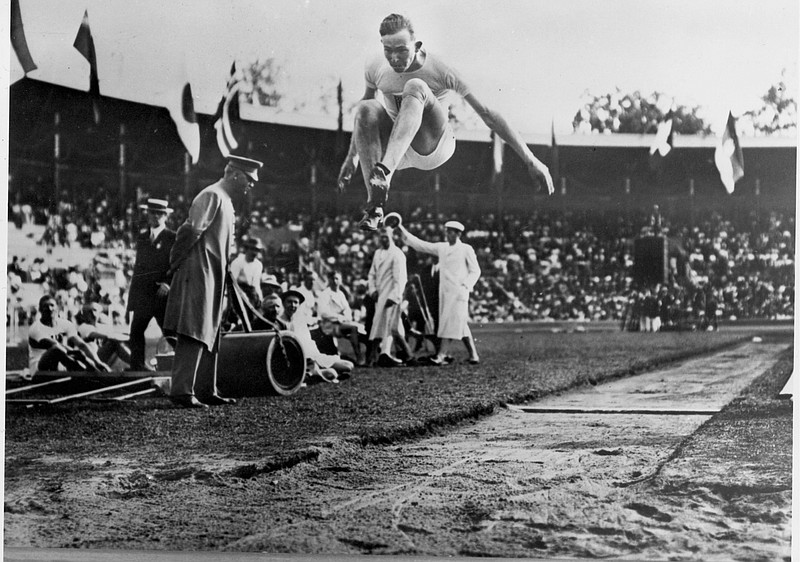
x=262, y=114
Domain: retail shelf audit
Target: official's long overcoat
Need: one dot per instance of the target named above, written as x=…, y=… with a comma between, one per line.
x=200, y=258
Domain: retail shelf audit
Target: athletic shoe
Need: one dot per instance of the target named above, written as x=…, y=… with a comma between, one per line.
x=372, y=219
x=385, y=360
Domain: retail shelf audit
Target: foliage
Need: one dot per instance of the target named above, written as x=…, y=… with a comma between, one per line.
x=633, y=113
x=777, y=114
x=265, y=81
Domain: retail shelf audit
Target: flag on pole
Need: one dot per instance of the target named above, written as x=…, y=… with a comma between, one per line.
x=662, y=145
x=228, y=110
x=84, y=43
x=18, y=41
x=728, y=156
x=180, y=104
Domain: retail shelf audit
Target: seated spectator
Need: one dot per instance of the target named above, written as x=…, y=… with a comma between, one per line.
x=308, y=288
x=271, y=310
x=54, y=343
x=329, y=367
x=270, y=285
x=336, y=316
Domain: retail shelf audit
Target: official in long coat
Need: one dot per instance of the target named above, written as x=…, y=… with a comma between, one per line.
x=458, y=273
x=386, y=283
x=200, y=260
x=147, y=297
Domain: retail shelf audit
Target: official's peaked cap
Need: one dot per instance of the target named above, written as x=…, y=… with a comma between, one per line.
x=248, y=166
x=455, y=225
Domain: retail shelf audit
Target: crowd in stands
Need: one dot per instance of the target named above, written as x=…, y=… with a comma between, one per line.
x=549, y=265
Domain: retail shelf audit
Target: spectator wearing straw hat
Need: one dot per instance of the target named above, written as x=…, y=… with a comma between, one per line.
x=247, y=269
x=458, y=273
x=147, y=298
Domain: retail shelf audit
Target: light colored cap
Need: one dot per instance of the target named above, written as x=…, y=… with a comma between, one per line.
x=455, y=225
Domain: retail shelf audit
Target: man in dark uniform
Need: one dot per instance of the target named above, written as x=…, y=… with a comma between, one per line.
x=150, y=283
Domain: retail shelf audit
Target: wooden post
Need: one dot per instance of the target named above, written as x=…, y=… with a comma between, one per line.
x=313, y=185
x=56, y=161
x=187, y=177
x=436, y=191
x=122, y=175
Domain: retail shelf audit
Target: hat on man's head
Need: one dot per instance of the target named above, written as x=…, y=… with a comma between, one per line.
x=157, y=205
x=455, y=225
x=293, y=293
x=271, y=281
x=253, y=244
x=246, y=165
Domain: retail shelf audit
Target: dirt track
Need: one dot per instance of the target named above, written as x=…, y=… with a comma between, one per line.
x=514, y=484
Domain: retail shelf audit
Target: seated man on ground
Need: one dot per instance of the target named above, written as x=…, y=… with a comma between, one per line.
x=330, y=367
x=336, y=316
x=271, y=310
x=54, y=343
x=103, y=337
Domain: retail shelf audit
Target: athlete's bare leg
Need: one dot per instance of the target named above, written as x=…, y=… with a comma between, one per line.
x=419, y=124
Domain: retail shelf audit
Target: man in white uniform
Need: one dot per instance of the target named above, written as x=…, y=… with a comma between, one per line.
x=386, y=283
x=458, y=273
x=408, y=126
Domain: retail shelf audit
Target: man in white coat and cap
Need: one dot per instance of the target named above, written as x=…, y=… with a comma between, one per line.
x=387, y=283
x=200, y=259
x=458, y=273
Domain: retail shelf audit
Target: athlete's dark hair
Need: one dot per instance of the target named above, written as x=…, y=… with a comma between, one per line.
x=393, y=23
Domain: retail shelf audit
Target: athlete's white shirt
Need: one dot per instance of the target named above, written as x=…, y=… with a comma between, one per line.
x=60, y=331
x=439, y=77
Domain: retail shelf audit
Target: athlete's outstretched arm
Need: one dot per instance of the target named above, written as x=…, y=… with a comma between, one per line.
x=351, y=160
x=500, y=126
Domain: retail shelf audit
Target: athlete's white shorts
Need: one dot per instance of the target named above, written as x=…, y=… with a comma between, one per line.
x=444, y=150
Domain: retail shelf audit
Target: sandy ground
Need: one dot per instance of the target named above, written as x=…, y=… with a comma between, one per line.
x=587, y=474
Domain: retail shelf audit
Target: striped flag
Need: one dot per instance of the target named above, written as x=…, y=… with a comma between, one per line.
x=18, y=41
x=84, y=44
x=228, y=110
x=662, y=145
x=728, y=156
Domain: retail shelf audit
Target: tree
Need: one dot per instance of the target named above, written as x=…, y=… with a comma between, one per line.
x=778, y=112
x=632, y=113
x=264, y=82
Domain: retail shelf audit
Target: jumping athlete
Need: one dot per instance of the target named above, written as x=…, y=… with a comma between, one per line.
x=410, y=129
